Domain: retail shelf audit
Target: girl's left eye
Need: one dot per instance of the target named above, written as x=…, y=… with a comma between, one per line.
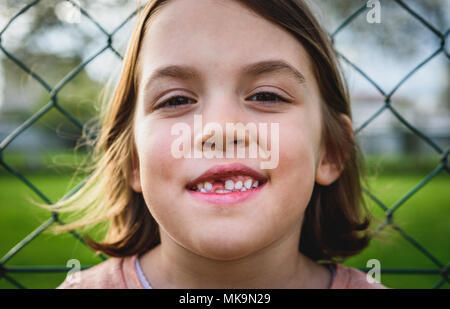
x=268, y=97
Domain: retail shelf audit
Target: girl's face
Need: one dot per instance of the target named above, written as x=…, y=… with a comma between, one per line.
x=217, y=39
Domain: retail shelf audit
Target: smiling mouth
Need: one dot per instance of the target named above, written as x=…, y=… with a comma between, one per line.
x=227, y=179
x=227, y=184
x=219, y=196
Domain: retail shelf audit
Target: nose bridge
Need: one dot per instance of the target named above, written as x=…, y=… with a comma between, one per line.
x=221, y=107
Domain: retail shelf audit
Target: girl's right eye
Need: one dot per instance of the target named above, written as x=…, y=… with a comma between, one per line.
x=174, y=102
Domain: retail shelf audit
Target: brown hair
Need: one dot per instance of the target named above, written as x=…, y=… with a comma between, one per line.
x=333, y=225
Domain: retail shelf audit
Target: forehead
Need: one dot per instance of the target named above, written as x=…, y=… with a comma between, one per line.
x=218, y=34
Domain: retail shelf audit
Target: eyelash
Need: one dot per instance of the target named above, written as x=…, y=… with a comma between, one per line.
x=278, y=100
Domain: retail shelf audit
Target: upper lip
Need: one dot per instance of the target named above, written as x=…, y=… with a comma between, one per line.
x=224, y=170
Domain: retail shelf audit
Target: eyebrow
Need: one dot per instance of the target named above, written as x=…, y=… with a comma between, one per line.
x=183, y=72
x=273, y=66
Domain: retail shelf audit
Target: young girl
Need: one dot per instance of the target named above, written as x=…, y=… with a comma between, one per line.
x=226, y=222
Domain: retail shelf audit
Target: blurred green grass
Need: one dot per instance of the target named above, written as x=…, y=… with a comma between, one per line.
x=425, y=216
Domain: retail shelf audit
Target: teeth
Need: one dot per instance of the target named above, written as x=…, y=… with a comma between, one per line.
x=248, y=183
x=229, y=184
x=208, y=186
x=238, y=185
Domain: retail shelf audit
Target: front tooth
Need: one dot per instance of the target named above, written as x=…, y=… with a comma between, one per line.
x=248, y=183
x=229, y=184
x=243, y=189
x=200, y=186
x=238, y=185
x=208, y=186
x=222, y=191
x=203, y=190
x=255, y=184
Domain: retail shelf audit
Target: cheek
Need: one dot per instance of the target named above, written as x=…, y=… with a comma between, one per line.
x=158, y=168
x=296, y=150
x=294, y=177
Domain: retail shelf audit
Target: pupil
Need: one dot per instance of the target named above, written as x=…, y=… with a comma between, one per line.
x=265, y=96
x=175, y=101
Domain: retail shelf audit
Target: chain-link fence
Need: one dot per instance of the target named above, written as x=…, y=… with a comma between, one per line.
x=441, y=267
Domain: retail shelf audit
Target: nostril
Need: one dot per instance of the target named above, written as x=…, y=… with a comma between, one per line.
x=212, y=145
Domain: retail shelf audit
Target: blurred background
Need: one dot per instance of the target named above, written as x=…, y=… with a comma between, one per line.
x=56, y=58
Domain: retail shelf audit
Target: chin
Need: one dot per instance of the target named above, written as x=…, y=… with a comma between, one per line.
x=226, y=248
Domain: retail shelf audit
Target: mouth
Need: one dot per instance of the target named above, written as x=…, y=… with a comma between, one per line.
x=227, y=184
x=226, y=179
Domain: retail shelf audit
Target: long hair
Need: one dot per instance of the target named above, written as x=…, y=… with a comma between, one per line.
x=334, y=225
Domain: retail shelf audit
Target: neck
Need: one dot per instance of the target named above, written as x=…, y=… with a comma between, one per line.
x=278, y=265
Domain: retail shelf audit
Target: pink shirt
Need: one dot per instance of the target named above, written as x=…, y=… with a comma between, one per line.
x=125, y=273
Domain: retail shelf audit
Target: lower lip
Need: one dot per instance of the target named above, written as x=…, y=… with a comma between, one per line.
x=226, y=198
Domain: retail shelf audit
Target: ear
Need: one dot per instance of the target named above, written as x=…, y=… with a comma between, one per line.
x=328, y=169
x=135, y=175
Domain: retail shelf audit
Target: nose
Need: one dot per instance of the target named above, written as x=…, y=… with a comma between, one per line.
x=223, y=127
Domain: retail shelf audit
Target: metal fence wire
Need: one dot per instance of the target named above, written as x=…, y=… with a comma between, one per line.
x=441, y=268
